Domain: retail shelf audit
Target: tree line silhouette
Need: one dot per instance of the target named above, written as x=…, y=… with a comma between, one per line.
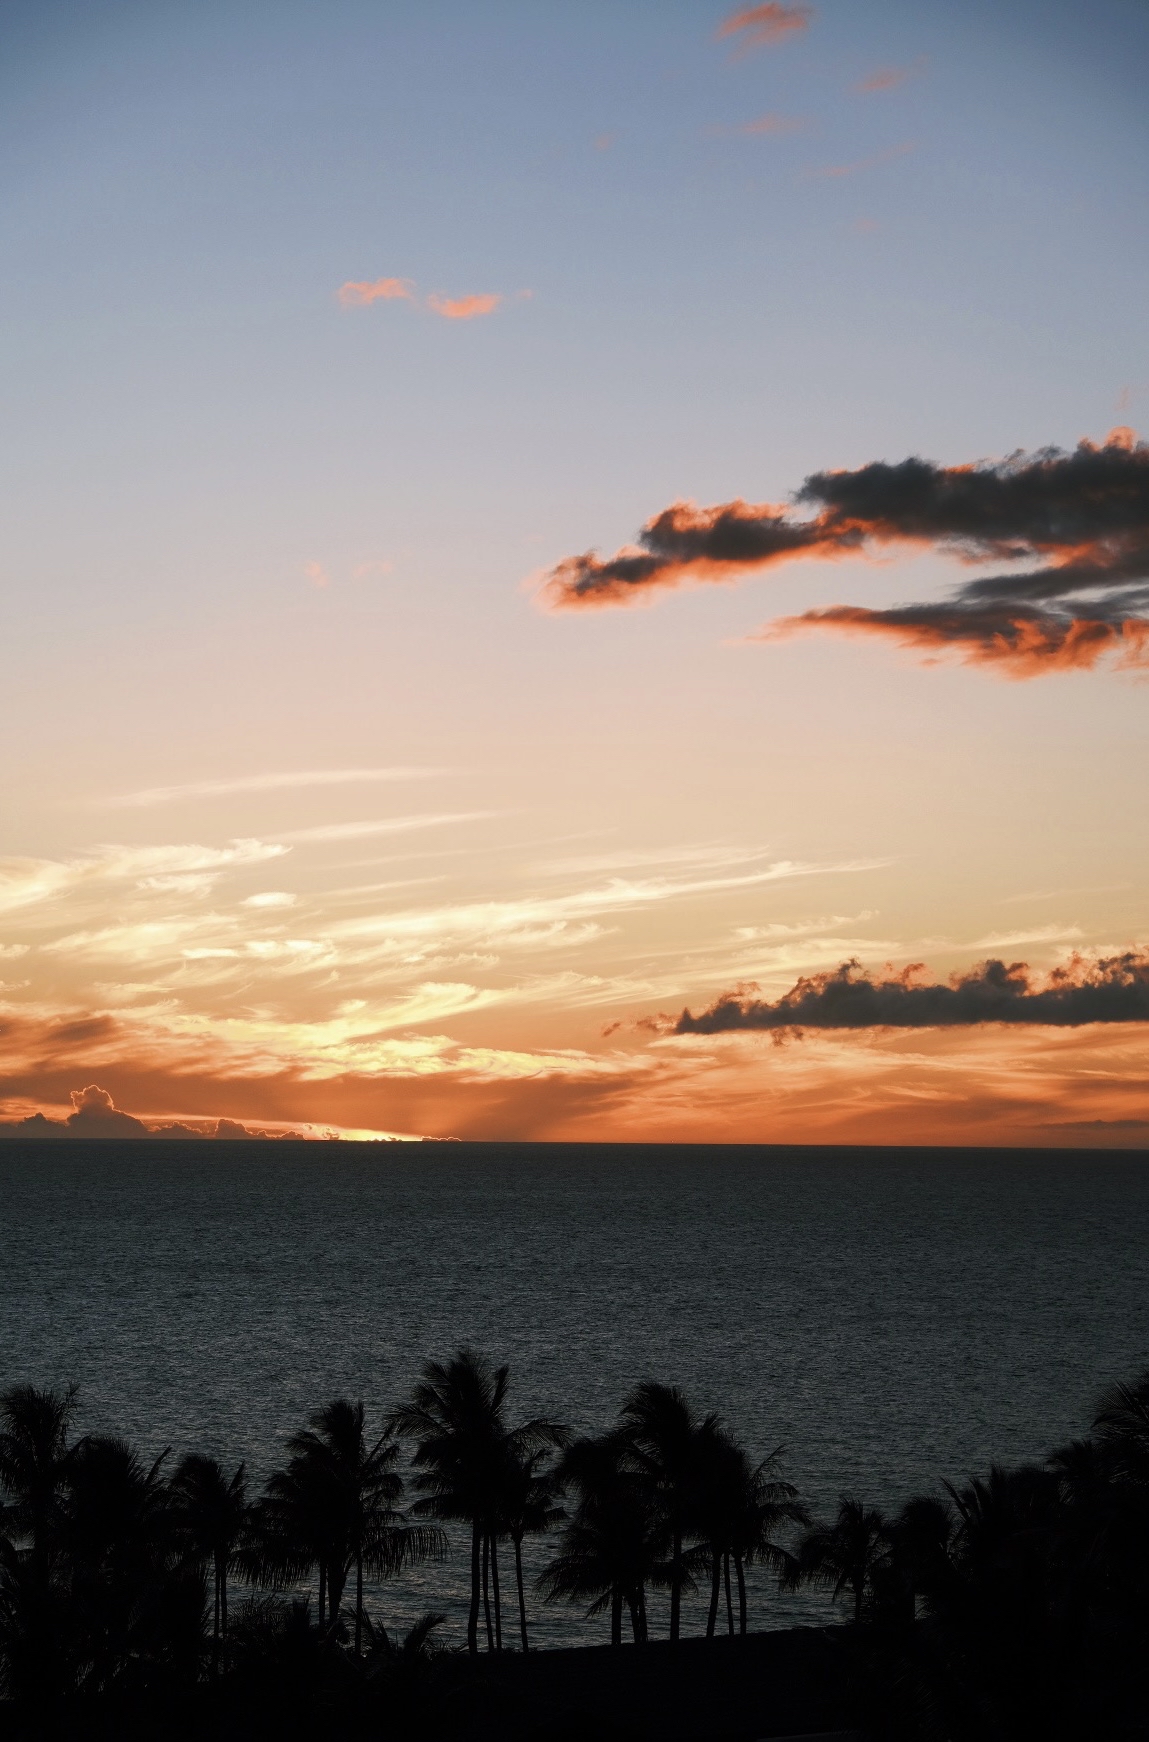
x=115, y=1574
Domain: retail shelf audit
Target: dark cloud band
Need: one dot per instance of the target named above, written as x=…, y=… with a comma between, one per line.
x=1081, y=520
x=1114, y=989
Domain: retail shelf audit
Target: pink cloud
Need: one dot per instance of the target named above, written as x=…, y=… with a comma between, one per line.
x=463, y=308
x=889, y=78
x=773, y=124
x=839, y=169
x=358, y=294
x=317, y=574
x=765, y=25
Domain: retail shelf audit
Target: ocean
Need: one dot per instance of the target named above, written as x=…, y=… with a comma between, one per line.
x=889, y=1317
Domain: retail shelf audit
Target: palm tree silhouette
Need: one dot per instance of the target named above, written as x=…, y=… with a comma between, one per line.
x=335, y=1507
x=1122, y=1427
x=612, y=1542
x=527, y=1507
x=667, y=1441
x=739, y=1510
x=921, y=1541
x=131, y=1598
x=212, y=1514
x=843, y=1556
x=463, y=1451
x=34, y=1596
x=34, y=1454
x=455, y=1416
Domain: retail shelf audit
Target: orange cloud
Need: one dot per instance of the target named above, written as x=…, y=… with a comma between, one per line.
x=763, y=26
x=834, y=170
x=358, y=294
x=773, y=124
x=463, y=308
x=688, y=542
x=1082, y=516
x=1014, y=643
x=889, y=78
x=1072, y=1087
x=1084, y=991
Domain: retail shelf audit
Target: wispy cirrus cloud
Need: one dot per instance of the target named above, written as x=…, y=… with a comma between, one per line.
x=764, y=26
x=176, y=869
x=242, y=784
x=357, y=293
x=549, y=921
x=463, y=308
x=382, y=826
x=1082, y=517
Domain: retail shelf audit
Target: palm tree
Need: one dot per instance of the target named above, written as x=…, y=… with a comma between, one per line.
x=740, y=1509
x=1122, y=1427
x=212, y=1513
x=34, y=1454
x=527, y=1507
x=335, y=1507
x=133, y=1600
x=843, y=1556
x=921, y=1540
x=463, y=1449
x=611, y=1546
x=455, y=1416
x=667, y=1441
x=34, y=1597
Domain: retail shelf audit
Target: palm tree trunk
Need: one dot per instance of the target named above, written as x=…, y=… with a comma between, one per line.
x=729, y=1604
x=675, y=1585
x=322, y=1594
x=643, y=1634
x=223, y=1602
x=473, y=1616
x=741, y=1593
x=359, y=1600
x=487, y=1589
x=859, y=1590
x=715, y=1576
x=215, y=1630
x=495, y=1591
x=616, y=1615
x=522, y=1597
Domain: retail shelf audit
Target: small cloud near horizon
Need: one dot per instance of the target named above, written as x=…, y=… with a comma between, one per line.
x=463, y=308
x=356, y=293
x=764, y=26
x=95, y=1115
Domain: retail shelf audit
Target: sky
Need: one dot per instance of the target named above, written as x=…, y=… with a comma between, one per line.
x=523, y=521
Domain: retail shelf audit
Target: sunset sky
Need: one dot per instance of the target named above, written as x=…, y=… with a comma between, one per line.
x=355, y=782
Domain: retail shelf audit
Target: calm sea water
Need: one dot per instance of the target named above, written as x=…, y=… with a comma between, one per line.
x=890, y=1316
